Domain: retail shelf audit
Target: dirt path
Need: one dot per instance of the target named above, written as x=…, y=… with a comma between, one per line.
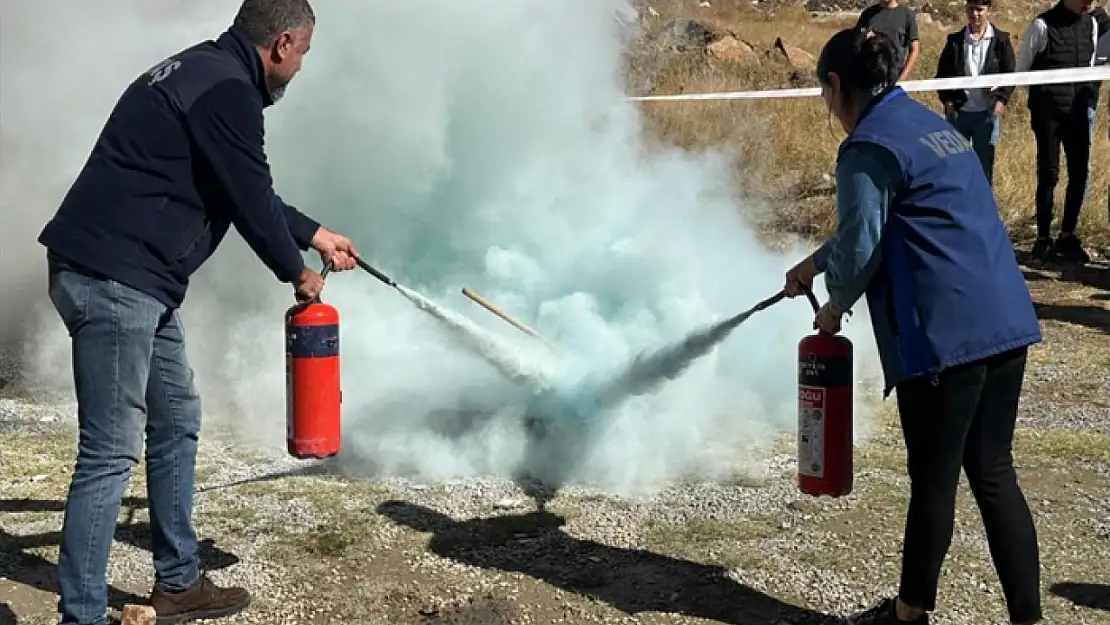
x=316, y=548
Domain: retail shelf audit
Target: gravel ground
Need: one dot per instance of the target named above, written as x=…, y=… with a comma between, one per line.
x=317, y=547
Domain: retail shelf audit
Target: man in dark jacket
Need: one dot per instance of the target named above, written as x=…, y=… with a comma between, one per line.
x=178, y=162
x=1065, y=36
x=977, y=49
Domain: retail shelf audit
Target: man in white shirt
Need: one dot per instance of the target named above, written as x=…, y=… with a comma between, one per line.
x=978, y=48
x=1064, y=36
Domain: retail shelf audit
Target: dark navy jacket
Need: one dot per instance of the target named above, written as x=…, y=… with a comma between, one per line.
x=946, y=288
x=178, y=162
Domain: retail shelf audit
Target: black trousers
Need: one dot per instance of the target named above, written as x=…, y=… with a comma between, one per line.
x=1053, y=128
x=964, y=418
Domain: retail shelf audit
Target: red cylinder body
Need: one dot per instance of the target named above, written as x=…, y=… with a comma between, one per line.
x=825, y=413
x=313, y=394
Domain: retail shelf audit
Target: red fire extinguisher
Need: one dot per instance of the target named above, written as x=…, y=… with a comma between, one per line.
x=825, y=413
x=313, y=394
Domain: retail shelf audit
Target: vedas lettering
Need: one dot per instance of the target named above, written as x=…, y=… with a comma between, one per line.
x=159, y=72
x=946, y=142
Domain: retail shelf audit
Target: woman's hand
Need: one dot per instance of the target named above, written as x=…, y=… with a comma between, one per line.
x=800, y=278
x=828, y=319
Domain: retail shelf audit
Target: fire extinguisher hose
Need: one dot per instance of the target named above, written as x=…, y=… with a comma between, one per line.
x=363, y=265
x=778, y=297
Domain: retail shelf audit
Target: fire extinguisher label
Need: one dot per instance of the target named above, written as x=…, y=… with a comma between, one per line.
x=811, y=431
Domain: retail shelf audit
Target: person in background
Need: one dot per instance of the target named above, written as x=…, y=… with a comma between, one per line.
x=899, y=23
x=1065, y=36
x=978, y=48
x=179, y=161
x=920, y=236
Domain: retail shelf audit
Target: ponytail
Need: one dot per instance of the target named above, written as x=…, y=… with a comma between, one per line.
x=865, y=60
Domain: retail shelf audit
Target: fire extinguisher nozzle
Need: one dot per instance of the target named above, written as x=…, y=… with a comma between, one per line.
x=365, y=266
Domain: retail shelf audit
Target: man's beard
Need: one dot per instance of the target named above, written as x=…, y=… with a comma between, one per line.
x=277, y=93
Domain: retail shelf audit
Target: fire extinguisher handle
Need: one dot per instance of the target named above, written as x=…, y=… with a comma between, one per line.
x=323, y=276
x=813, y=301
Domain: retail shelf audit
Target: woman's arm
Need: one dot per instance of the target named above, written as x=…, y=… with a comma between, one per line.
x=867, y=176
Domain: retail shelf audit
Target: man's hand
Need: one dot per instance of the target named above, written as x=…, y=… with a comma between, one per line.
x=949, y=109
x=998, y=106
x=800, y=278
x=334, y=248
x=828, y=319
x=308, y=285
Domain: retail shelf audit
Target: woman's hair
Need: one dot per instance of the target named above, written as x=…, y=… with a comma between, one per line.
x=865, y=60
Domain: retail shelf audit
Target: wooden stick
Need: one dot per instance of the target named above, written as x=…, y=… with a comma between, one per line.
x=488, y=305
x=138, y=615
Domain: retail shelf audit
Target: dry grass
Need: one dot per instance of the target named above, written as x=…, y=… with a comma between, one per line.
x=784, y=147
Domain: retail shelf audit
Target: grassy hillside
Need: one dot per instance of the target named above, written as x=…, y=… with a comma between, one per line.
x=785, y=148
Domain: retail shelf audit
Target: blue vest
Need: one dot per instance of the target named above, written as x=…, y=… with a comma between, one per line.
x=949, y=290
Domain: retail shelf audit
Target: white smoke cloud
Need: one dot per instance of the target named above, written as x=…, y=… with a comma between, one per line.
x=459, y=143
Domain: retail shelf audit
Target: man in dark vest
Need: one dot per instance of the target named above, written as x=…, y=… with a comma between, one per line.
x=179, y=161
x=1065, y=36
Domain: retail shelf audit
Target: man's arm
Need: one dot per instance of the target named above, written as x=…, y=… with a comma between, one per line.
x=1006, y=64
x=867, y=178
x=915, y=44
x=946, y=68
x=1102, y=37
x=301, y=226
x=226, y=124
x=1032, y=44
x=864, y=20
x=1102, y=21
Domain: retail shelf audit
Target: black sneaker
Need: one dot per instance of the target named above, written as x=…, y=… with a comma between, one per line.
x=1070, y=250
x=1042, y=248
x=884, y=613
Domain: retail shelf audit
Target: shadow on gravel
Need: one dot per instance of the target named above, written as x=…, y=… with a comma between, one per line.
x=32, y=570
x=1095, y=275
x=7, y=617
x=1094, y=317
x=1095, y=596
x=630, y=580
x=322, y=468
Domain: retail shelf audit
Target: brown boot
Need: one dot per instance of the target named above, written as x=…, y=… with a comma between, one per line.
x=202, y=600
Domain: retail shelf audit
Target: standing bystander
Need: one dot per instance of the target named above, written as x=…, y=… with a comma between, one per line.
x=976, y=49
x=899, y=23
x=1065, y=36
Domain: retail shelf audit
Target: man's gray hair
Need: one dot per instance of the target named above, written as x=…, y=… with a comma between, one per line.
x=263, y=20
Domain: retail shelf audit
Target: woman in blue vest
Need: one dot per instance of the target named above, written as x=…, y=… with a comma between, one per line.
x=919, y=236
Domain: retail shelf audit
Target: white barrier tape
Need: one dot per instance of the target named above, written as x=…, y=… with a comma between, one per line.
x=988, y=81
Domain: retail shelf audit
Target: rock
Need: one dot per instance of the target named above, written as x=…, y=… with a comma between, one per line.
x=729, y=48
x=510, y=504
x=797, y=57
x=684, y=35
x=138, y=615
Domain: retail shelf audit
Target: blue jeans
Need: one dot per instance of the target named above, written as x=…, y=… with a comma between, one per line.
x=131, y=378
x=982, y=129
